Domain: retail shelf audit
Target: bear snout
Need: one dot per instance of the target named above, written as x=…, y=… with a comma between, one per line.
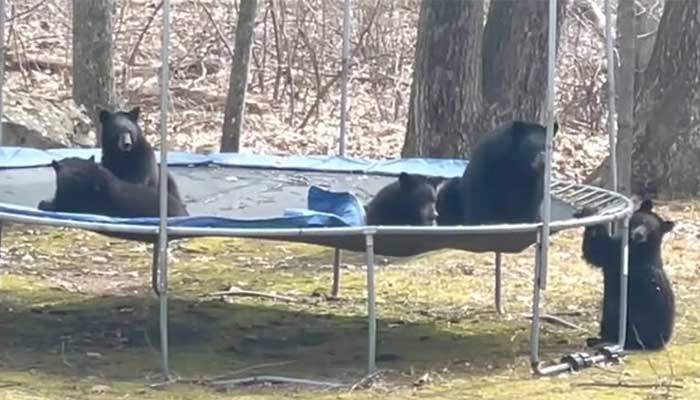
x=125, y=143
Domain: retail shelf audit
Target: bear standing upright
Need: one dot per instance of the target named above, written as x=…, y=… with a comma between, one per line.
x=650, y=300
x=408, y=201
x=126, y=153
x=504, y=180
x=83, y=186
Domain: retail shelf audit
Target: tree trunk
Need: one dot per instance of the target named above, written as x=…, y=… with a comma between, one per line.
x=626, y=41
x=647, y=14
x=445, y=95
x=93, y=74
x=515, y=60
x=666, y=153
x=238, y=80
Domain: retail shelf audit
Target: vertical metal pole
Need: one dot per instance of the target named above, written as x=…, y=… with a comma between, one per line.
x=547, y=199
x=344, y=77
x=540, y=281
x=347, y=12
x=612, y=111
x=2, y=67
x=335, y=290
x=499, y=281
x=371, y=310
x=163, y=232
x=624, y=276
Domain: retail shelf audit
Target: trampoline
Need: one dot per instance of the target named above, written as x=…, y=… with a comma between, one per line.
x=316, y=200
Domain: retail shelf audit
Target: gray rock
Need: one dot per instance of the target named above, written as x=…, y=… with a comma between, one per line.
x=34, y=122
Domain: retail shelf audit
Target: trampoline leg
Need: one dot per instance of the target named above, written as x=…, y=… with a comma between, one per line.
x=498, y=284
x=335, y=289
x=162, y=257
x=535, y=324
x=154, y=270
x=624, y=275
x=371, y=311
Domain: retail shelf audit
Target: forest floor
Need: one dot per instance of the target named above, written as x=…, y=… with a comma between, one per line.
x=79, y=321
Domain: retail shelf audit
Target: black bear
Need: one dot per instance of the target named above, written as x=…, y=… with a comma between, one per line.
x=83, y=186
x=408, y=201
x=127, y=153
x=504, y=179
x=650, y=307
x=450, y=204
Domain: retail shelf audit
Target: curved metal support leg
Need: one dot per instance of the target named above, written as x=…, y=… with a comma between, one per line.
x=498, y=284
x=335, y=289
x=371, y=310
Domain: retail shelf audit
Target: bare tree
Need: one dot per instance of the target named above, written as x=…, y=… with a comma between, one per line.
x=93, y=74
x=515, y=60
x=666, y=152
x=238, y=81
x=446, y=90
x=625, y=92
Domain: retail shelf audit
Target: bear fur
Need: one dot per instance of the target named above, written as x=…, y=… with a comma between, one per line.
x=127, y=153
x=504, y=179
x=650, y=307
x=410, y=200
x=83, y=186
x=450, y=204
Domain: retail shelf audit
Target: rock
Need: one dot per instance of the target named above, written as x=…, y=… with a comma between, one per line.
x=38, y=123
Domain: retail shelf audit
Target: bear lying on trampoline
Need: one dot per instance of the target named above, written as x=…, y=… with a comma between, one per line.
x=651, y=308
x=83, y=186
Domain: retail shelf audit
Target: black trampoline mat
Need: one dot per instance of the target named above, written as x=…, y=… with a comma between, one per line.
x=259, y=193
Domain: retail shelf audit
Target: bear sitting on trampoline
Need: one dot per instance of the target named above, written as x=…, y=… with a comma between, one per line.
x=650, y=309
x=83, y=186
x=127, y=153
x=504, y=180
x=408, y=201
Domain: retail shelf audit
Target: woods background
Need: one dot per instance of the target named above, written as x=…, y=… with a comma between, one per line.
x=293, y=97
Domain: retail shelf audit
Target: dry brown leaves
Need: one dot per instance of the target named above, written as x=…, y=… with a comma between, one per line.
x=279, y=116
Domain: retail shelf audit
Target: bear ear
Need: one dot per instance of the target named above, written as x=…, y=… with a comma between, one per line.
x=134, y=113
x=104, y=116
x=406, y=180
x=646, y=205
x=667, y=226
x=92, y=158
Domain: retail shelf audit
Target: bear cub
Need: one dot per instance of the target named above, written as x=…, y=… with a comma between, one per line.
x=83, y=186
x=650, y=299
x=503, y=181
x=410, y=200
x=127, y=153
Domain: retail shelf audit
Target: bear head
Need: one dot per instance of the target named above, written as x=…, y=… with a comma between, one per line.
x=120, y=130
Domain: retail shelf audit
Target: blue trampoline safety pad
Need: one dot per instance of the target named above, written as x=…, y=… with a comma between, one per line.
x=22, y=157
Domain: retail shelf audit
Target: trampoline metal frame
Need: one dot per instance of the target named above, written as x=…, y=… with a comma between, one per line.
x=614, y=207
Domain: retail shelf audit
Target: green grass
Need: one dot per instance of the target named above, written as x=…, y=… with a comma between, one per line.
x=78, y=321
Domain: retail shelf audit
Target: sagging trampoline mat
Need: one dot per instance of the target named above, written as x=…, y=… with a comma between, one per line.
x=259, y=193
